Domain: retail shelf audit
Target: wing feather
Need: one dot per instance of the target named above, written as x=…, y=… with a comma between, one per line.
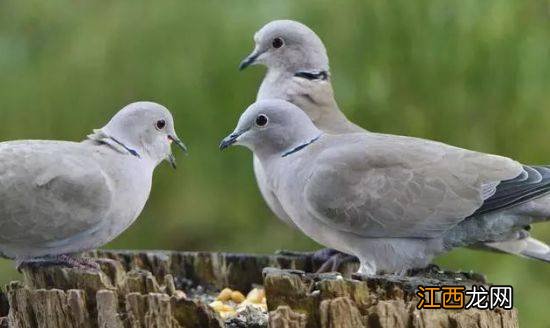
x=389, y=186
x=533, y=182
x=45, y=197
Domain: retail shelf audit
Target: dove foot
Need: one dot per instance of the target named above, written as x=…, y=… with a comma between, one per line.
x=430, y=268
x=285, y=252
x=58, y=260
x=331, y=260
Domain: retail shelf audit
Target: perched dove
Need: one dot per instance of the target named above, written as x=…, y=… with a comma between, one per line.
x=58, y=198
x=298, y=72
x=394, y=202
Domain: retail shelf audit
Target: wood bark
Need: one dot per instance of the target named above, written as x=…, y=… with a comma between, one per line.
x=146, y=289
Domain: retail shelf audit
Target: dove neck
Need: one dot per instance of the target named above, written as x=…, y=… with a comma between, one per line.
x=332, y=120
x=300, y=146
x=117, y=144
x=311, y=90
x=286, y=146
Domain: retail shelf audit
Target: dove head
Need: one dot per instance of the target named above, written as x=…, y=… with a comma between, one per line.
x=272, y=127
x=143, y=129
x=287, y=45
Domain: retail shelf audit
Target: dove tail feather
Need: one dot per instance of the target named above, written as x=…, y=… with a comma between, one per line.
x=526, y=247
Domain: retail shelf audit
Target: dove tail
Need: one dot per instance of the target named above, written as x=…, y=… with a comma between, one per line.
x=526, y=247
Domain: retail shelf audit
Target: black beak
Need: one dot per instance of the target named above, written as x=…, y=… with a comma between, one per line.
x=248, y=61
x=179, y=143
x=171, y=159
x=229, y=140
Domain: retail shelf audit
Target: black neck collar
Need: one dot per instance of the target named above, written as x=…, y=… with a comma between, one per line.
x=320, y=75
x=130, y=150
x=302, y=146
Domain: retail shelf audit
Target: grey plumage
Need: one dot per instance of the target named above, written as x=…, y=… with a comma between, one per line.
x=297, y=72
x=61, y=197
x=395, y=202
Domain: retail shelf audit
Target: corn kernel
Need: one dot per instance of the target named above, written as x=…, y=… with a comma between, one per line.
x=256, y=295
x=225, y=295
x=216, y=305
x=237, y=297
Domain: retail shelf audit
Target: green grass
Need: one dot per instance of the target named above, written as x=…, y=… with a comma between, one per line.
x=470, y=73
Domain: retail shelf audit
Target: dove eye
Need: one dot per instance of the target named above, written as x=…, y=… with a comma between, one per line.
x=261, y=120
x=160, y=124
x=277, y=43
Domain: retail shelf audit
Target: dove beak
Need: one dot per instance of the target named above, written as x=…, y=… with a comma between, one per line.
x=171, y=158
x=229, y=140
x=251, y=59
x=178, y=143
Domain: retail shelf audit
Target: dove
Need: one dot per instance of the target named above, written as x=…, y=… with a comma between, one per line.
x=60, y=198
x=298, y=72
x=395, y=202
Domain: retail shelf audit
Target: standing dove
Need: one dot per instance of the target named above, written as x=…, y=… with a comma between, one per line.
x=298, y=72
x=395, y=202
x=58, y=198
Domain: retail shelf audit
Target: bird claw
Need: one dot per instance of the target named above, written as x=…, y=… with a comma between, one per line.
x=285, y=252
x=326, y=259
x=430, y=268
x=59, y=260
x=331, y=260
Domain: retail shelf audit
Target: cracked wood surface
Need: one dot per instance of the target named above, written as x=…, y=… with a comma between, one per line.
x=146, y=289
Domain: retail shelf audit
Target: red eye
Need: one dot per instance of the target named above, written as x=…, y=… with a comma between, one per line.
x=277, y=43
x=160, y=124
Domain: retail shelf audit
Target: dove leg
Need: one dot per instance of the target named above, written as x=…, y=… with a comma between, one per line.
x=285, y=252
x=58, y=260
x=326, y=259
x=332, y=263
x=320, y=256
x=430, y=268
x=323, y=255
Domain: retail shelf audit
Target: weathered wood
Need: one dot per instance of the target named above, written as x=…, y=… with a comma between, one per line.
x=340, y=312
x=284, y=317
x=331, y=300
x=107, y=310
x=148, y=289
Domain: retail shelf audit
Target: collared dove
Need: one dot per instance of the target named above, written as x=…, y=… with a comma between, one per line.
x=58, y=198
x=395, y=202
x=298, y=72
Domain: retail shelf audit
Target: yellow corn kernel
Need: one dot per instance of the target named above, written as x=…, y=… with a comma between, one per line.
x=256, y=295
x=237, y=296
x=224, y=295
x=216, y=305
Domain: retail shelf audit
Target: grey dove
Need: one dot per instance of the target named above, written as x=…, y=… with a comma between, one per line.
x=395, y=202
x=58, y=198
x=298, y=72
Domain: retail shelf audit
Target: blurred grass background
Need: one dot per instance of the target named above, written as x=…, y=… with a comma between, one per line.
x=471, y=73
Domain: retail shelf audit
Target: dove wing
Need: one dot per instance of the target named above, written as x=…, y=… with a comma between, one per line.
x=49, y=191
x=390, y=186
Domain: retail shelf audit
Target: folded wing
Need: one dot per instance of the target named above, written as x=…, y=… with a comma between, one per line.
x=390, y=186
x=533, y=182
x=49, y=191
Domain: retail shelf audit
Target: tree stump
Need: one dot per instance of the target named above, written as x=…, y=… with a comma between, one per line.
x=159, y=289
